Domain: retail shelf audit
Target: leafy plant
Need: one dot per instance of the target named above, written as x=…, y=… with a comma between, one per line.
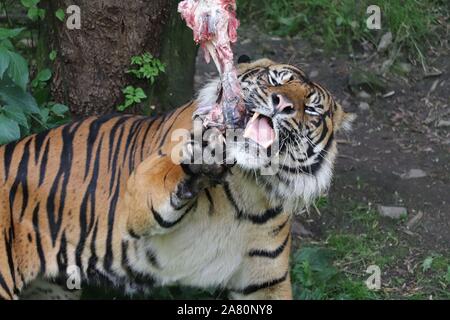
x=21, y=113
x=132, y=95
x=34, y=12
x=314, y=276
x=60, y=14
x=147, y=68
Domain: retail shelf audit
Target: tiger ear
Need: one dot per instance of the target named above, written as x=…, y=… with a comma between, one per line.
x=244, y=59
x=342, y=120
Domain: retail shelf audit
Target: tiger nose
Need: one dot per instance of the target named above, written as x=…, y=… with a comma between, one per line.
x=281, y=104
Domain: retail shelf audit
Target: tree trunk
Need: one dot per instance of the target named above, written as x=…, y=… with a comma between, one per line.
x=90, y=68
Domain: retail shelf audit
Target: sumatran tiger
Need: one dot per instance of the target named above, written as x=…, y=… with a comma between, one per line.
x=104, y=197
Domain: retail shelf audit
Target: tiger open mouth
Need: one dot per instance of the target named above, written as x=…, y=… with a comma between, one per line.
x=260, y=129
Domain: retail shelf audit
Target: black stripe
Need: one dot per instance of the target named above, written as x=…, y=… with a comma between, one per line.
x=138, y=278
x=179, y=112
x=257, y=219
x=94, y=129
x=114, y=165
x=37, y=234
x=164, y=223
x=38, y=143
x=268, y=215
x=5, y=286
x=89, y=199
x=43, y=165
x=9, y=247
x=269, y=254
x=321, y=157
x=62, y=176
x=299, y=73
x=278, y=229
x=256, y=287
x=161, y=125
x=250, y=73
x=9, y=152
x=151, y=257
x=21, y=180
x=109, y=256
x=144, y=140
x=131, y=134
x=210, y=200
x=226, y=188
x=93, y=259
x=132, y=156
x=312, y=169
x=133, y=234
x=61, y=256
x=112, y=136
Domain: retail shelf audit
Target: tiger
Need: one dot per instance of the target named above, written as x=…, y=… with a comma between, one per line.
x=103, y=196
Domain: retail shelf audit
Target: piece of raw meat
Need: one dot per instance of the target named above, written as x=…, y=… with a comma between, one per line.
x=215, y=26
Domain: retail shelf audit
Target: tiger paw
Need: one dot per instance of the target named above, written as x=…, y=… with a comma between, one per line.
x=204, y=164
x=206, y=158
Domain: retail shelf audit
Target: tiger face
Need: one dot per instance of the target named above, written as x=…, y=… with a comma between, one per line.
x=290, y=126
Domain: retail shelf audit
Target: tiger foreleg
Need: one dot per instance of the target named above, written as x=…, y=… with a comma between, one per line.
x=161, y=192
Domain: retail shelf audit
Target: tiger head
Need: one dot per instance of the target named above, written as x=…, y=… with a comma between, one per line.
x=290, y=127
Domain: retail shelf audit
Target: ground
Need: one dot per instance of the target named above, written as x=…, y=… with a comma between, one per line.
x=402, y=125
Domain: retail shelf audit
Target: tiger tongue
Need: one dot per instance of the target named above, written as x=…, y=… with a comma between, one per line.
x=259, y=130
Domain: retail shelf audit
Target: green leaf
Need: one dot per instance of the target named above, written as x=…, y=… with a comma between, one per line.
x=136, y=60
x=139, y=93
x=426, y=265
x=9, y=130
x=41, y=13
x=33, y=13
x=10, y=33
x=18, y=70
x=44, y=75
x=30, y=3
x=44, y=113
x=7, y=44
x=13, y=95
x=129, y=90
x=4, y=61
x=16, y=113
x=53, y=55
x=60, y=14
x=339, y=21
x=59, y=109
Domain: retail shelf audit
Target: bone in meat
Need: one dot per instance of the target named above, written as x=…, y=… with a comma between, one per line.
x=215, y=26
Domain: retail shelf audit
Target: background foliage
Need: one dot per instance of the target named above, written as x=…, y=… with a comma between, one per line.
x=25, y=106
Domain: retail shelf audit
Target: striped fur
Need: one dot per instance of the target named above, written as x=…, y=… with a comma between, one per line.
x=98, y=194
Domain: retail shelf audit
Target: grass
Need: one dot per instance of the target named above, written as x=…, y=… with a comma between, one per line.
x=342, y=23
x=335, y=268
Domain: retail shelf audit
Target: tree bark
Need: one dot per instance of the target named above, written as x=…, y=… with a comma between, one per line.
x=91, y=64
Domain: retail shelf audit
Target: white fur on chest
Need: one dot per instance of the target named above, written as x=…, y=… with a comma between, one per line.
x=206, y=250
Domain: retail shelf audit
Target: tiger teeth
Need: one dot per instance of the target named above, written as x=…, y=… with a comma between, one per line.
x=253, y=119
x=255, y=116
